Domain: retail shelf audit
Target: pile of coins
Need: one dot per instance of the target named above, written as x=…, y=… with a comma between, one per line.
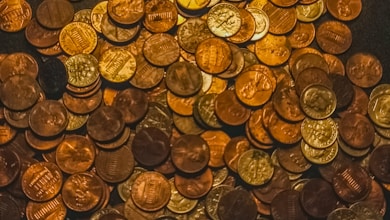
x=187, y=109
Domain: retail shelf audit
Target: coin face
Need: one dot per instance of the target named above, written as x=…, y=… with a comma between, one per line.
x=11, y=166
x=103, y=118
x=357, y=131
x=224, y=20
x=184, y=78
x=126, y=12
x=54, y=206
x=196, y=186
x=19, y=63
x=117, y=65
x=318, y=101
x=161, y=49
x=78, y=37
x=55, y=14
x=229, y=110
x=377, y=110
x=364, y=70
x=334, y=37
x=248, y=167
x=39, y=36
x=191, y=33
x=287, y=200
x=344, y=10
x=273, y=50
x=132, y=103
x=248, y=27
x=160, y=16
x=14, y=15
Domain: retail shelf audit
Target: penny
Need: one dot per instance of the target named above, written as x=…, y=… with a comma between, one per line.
x=310, y=12
x=187, y=124
x=286, y=103
x=378, y=158
x=236, y=204
x=15, y=15
x=131, y=211
x=54, y=14
x=161, y=49
x=75, y=154
x=352, y=151
x=124, y=188
x=157, y=116
x=146, y=76
x=116, y=165
x=115, y=33
x=343, y=90
x=183, y=78
x=77, y=37
x=213, y=199
x=190, y=153
x=335, y=65
x=352, y=183
x=334, y=37
x=247, y=29
x=217, y=86
x=7, y=133
x=132, y=103
x=344, y=10
x=364, y=70
x=82, y=105
x=224, y=20
x=281, y=20
x=283, y=131
x=160, y=16
x=181, y=105
x=313, y=195
x=42, y=181
x=217, y=141
x=302, y=35
x=19, y=63
x=213, y=55
x=105, y=124
x=359, y=104
x=306, y=61
x=42, y=143
x=257, y=129
x=196, y=186
x=357, y=131
x=318, y=101
x=273, y=50
x=117, y=65
x=53, y=207
x=126, y=12
x=191, y=33
x=150, y=146
x=204, y=111
x=312, y=75
x=375, y=200
x=9, y=207
x=229, y=110
x=286, y=204
x=249, y=165
x=10, y=166
x=82, y=191
x=116, y=142
x=85, y=92
x=54, y=50
x=292, y=159
x=53, y=77
x=151, y=191
x=237, y=64
x=97, y=14
x=39, y=36
x=178, y=203
x=17, y=119
x=295, y=54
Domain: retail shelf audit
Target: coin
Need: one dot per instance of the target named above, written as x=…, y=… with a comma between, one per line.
x=82, y=105
x=187, y=124
x=39, y=36
x=191, y=33
x=19, y=63
x=75, y=154
x=286, y=103
x=302, y=35
x=333, y=37
x=335, y=65
x=213, y=55
x=146, y=76
x=318, y=101
x=77, y=37
x=183, y=78
x=249, y=164
x=160, y=16
x=132, y=103
x=357, y=131
x=344, y=10
x=216, y=141
x=281, y=20
x=229, y=110
x=312, y=75
x=228, y=207
x=82, y=70
x=237, y=64
x=9, y=207
x=306, y=61
x=247, y=29
x=287, y=205
x=378, y=158
x=54, y=14
x=117, y=65
x=273, y=50
x=310, y=12
x=105, y=123
x=342, y=213
x=151, y=191
x=97, y=14
x=115, y=33
x=39, y=210
x=178, y=203
x=76, y=121
x=157, y=116
x=161, y=49
x=224, y=20
x=364, y=70
x=319, y=155
x=359, y=104
x=283, y=131
x=126, y=12
x=15, y=15
x=261, y=23
x=195, y=186
x=204, y=111
x=343, y=90
x=292, y=159
x=10, y=166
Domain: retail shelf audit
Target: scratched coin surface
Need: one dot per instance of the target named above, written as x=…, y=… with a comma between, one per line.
x=224, y=20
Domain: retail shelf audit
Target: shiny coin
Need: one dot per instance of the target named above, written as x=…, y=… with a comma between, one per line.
x=126, y=12
x=15, y=15
x=78, y=37
x=224, y=20
x=318, y=101
x=117, y=65
x=249, y=167
x=161, y=49
x=319, y=133
x=82, y=70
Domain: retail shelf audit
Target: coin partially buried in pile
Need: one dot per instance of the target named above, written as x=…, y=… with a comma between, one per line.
x=191, y=110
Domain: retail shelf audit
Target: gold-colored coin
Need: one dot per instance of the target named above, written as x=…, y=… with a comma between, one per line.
x=302, y=35
x=319, y=133
x=273, y=50
x=253, y=88
x=336, y=66
x=117, y=65
x=311, y=12
x=161, y=49
x=125, y=11
x=97, y=15
x=193, y=5
x=282, y=20
x=82, y=70
x=178, y=203
x=7, y=133
x=318, y=101
x=213, y=55
x=181, y=105
x=319, y=156
x=160, y=15
x=379, y=110
x=218, y=85
x=344, y=10
x=14, y=15
x=266, y=70
x=83, y=15
x=224, y=20
x=284, y=131
x=255, y=167
x=257, y=4
x=247, y=29
x=78, y=37
x=76, y=121
x=261, y=23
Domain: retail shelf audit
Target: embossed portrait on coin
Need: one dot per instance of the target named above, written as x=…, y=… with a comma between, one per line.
x=343, y=8
x=288, y=103
x=82, y=193
x=382, y=109
x=319, y=100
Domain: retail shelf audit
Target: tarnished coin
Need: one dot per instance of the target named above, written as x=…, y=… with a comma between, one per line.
x=249, y=167
x=247, y=29
x=151, y=191
x=281, y=20
x=17, y=119
x=224, y=20
x=187, y=124
x=309, y=76
x=10, y=207
x=214, y=197
x=359, y=104
x=343, y=213
x=77, y=37
x=19, y=63
x=54, y=14
x=10, y=167
x=75, y=154
x=126, y=12
x=146, y=75
x=204, y=110
x=334, y=37
x=161, y=49
x=117, y=65
x=183, y=78
x=343, y=90
x=292, y=159
x=213, y=55
x=97, y=14
x=115, y=33
x=236, y=204
x=48, y=118
x=160, y=16
x=82, y=69
x=357, y=131
x=310, y=12
x=195, y=186
x=364, y=70
x=132, y=103
x=286, y=102
x=15, y=15
x=42, y=143
x=287, y=205
x=42, y=181
x=319, y=133
x=273, y=50
x=306, y=61
x=229, y=110
x=82, y=105
x=318, y=101
x=344, y=10
x=53, y=77
x=82, y=191
x=191, y=33
x=377, y=164
x=284, y=131
x=157, y=116
x=190, y=153
x=7, y=133
x=44, y=210
x=302, y=35
x=39, y=36
x=105, y=124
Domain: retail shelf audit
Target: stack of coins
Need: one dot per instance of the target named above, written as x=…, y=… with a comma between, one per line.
x=187, y=109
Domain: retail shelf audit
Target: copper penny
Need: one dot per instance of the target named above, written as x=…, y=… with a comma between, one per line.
x=48, y=118
x=233, y=150
x=236, y=204
x=230, y=110
x=312, y=75
x=10, y=166
x=283, y=131
x=344, y=10
x=82, y=105
x=257, y=129
x=116, y=142
x=247, y=29
x=132, y=211
x=151, y=191
x=132, y=103
x=9, y=207
x=181, y=105
x=286, y=204
x=302, y=35
x=190, y=153
x=359, y=103
x=42, y=181
x=217, y=141
x=364, y=70
x=195, y=186
x=343, y=90
x=105, y=124
x=282, y=20
x=116, y=33
x=43, y=210
x=334, y=37
x=184, y=78
x=54, y=14
x=54, y=50
x=7, y=133
x=160, y=16
x=75, y=154
x=237, y=64
x=150, y=146
x=186, y=124
x=286, y=103
x=161, y=49
x=328, y=171
x=39, y=36
x=308, y=60
x=15, y=15
x=292, y=159
x=336, y=66
x=357, y=130
x=380, y=156
x=42, y=143
x=18, y=64
x=313, y=195
x=376, y=199
x=126, y=12
x=146, y=75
